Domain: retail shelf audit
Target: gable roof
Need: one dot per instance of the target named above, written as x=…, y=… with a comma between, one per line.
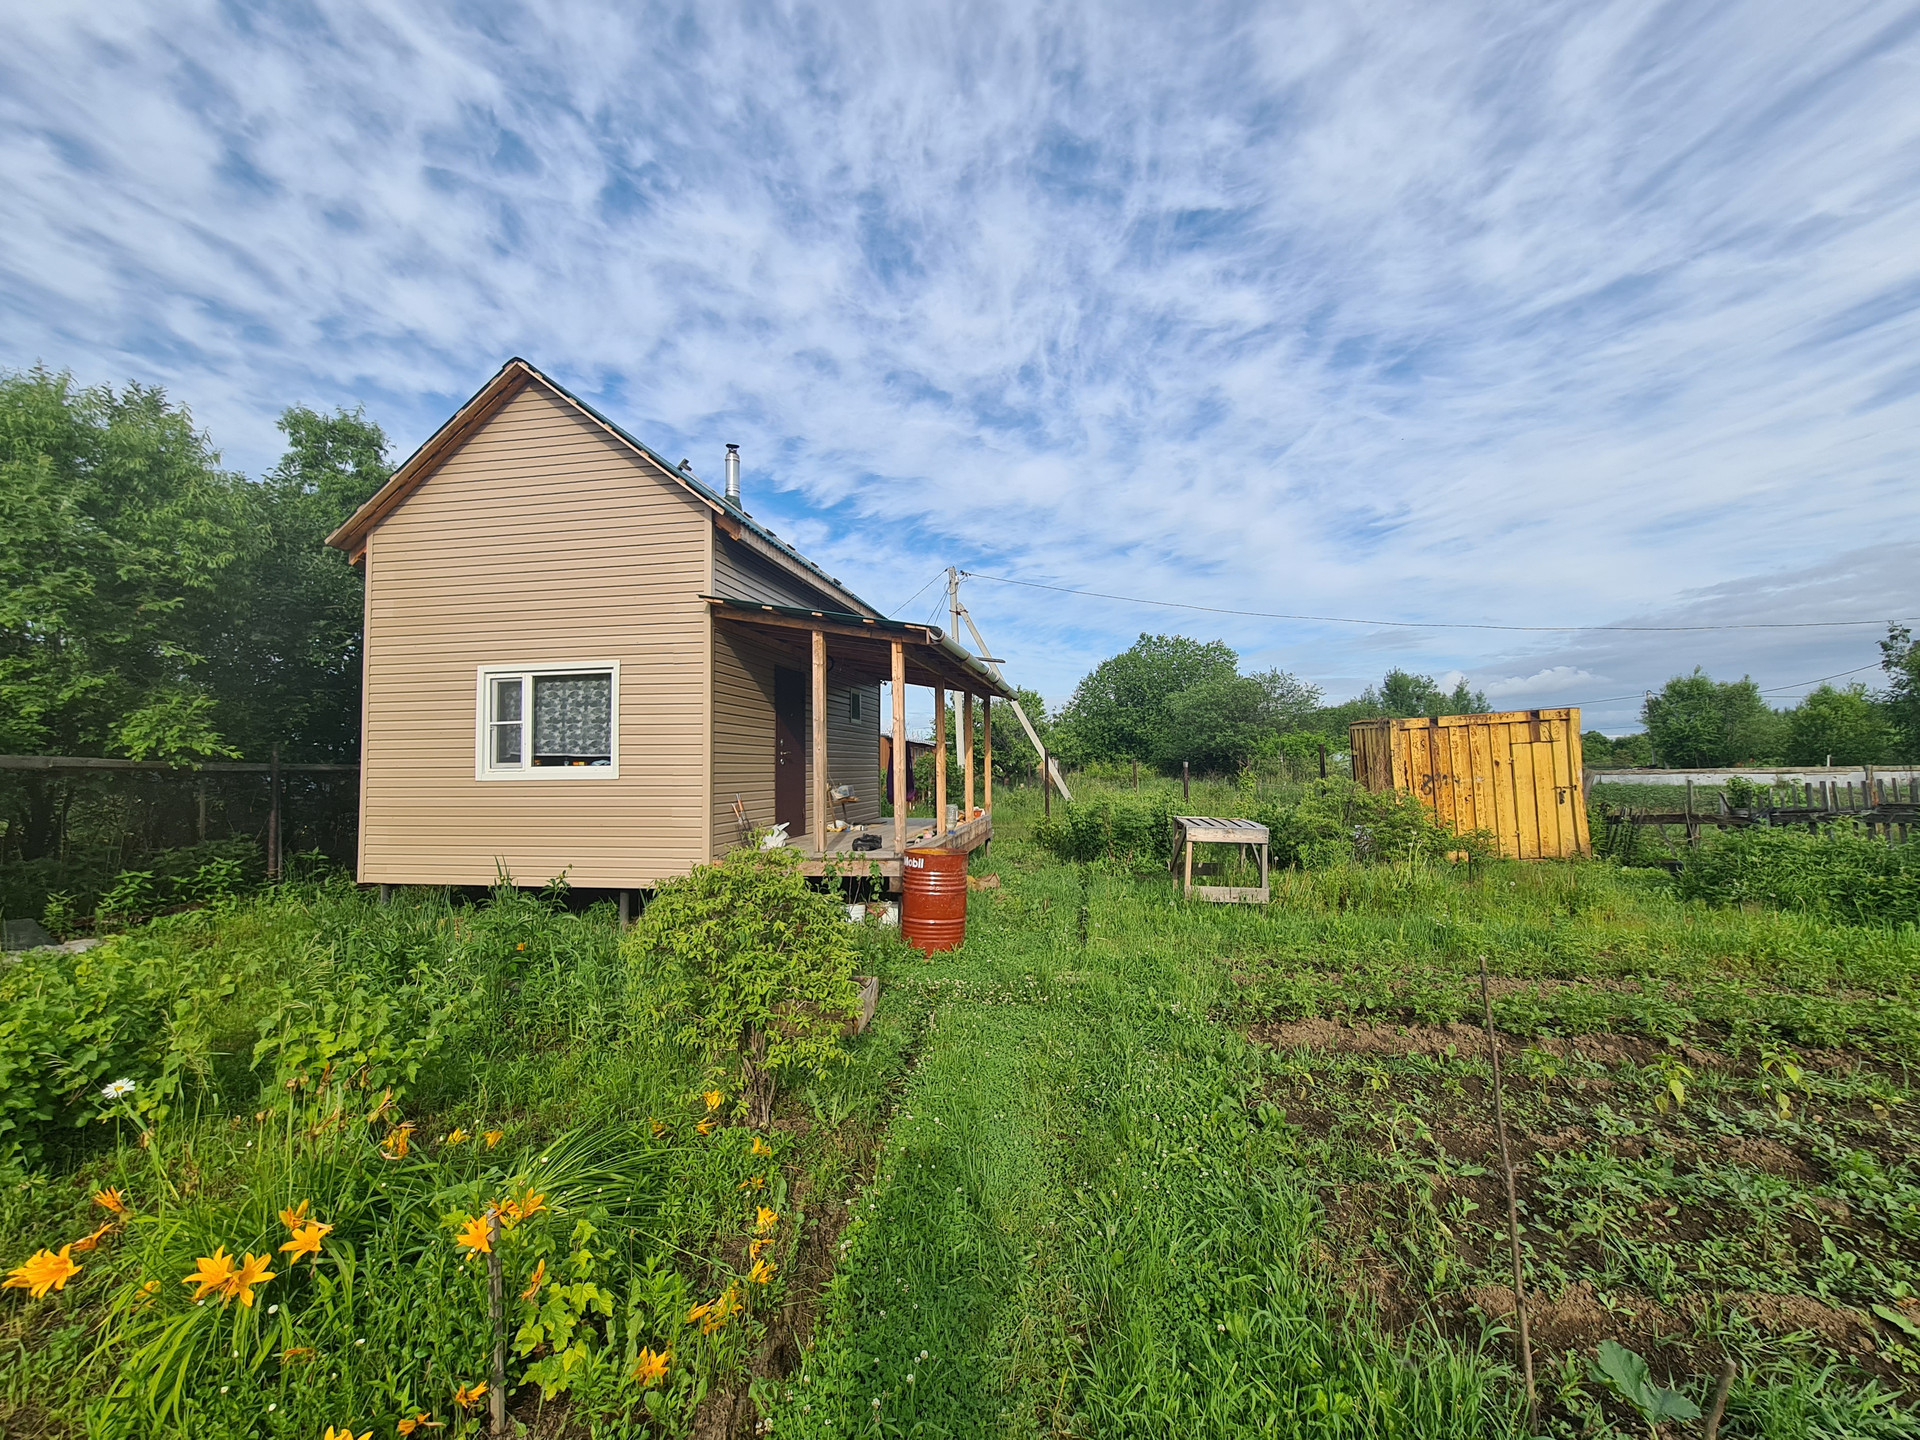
x=509, y=381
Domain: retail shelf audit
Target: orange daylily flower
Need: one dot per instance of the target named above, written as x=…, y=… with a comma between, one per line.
x=416, y=1421
x=715, y=1099
x=211, y=1272
x=468, y=1396
x=457, y=1136
x=295, y=1216
x=719, y=1311
x=492, y=1137
x=538, y=1279
x=760, y=1147
x=752, y=1182
x=530, y=1205
x=754, y=1250
x=765, y=1219
x=92, y=1240
x=659, y=1127
x=253, y=1271
x=762, y=1272
x=42, y=1272
x=347, y=1434
x=648, y=1367
x=306, y=1241
x=705, y=1127
x=112, y=1198
x=394, y=1147
x=476, y=1236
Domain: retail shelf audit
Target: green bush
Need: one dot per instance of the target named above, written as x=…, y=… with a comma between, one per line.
x=1135, y=830
x=746, y=962
x=1842, y=873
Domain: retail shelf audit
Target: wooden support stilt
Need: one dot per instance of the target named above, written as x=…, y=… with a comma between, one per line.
x=819, y=799
x=626, y=908
x=986, y=747
x=939, y=759
x=966, y=756
x=899, y=748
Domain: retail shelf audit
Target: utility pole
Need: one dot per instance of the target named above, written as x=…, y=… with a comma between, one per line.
x=1049, y=768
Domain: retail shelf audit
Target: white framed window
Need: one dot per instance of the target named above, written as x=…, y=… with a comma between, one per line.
x=548, y=722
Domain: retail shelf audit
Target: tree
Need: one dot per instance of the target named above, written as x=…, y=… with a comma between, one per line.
x=1121, y=710
x=1695, y=721
x=1215, y=725
x=1404, y=696
x=286, y=666
x=1839, y=727
x=1900, y=659
x=119, y=538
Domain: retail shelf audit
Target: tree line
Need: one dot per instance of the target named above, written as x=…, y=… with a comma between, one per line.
x=157, y=605
x=1696, y=721
x=1168, y=701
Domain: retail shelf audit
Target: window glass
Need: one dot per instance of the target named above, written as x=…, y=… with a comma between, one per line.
x=573, y=719
x=507, y=725
x=853, y=705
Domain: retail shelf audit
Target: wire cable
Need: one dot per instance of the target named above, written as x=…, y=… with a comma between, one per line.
x=1774, y=690
x=1424, y=624
x=915, y=596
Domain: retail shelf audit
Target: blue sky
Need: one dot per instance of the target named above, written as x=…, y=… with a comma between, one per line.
x=1540, y=314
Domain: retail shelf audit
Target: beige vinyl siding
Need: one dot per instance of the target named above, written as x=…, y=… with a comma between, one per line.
x=742, y=735
x=539, y=541
x=743, y=750
x=739, y=574
x=853, y=750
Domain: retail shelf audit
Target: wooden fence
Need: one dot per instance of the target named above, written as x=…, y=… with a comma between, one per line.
x=1887, y=808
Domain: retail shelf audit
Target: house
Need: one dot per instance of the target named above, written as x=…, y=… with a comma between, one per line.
x=581, y=660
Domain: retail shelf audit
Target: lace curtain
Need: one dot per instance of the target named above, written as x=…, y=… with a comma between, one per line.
x=573, y=716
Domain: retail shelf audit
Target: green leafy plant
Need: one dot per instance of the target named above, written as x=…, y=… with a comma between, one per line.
x=744, y=961
x=1627, y=1374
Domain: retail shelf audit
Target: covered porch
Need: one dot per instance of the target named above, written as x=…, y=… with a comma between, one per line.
x=863, y=650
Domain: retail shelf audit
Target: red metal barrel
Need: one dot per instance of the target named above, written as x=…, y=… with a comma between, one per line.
x=934, y=916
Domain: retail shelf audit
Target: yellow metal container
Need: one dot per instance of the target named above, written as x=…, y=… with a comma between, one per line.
x=1515, y=773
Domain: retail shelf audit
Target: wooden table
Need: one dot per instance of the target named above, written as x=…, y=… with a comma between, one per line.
x=1191, y=830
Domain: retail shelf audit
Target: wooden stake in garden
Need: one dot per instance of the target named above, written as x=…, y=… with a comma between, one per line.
x=1728, y=1369
x=1513, y=1200
x=496, y=1309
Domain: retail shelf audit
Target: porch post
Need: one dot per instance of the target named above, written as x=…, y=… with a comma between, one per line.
x=899, y=749
x=820, y=743
x=939, y=759
x=966, y=754
x=986, y=748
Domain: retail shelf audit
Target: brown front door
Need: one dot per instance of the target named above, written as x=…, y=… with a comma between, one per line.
x=790, y=751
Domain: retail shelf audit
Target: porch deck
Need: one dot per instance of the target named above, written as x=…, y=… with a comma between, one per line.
x=965, y=837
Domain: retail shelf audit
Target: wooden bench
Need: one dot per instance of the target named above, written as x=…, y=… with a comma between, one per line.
x=1191, y=830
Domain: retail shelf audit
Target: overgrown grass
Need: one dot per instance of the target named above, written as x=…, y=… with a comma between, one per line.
x=1121, y=1165
x=396, y=1071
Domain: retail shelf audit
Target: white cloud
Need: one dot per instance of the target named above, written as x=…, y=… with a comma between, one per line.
x=1518, y=315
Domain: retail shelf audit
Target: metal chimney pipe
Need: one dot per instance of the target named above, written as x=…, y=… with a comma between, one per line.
x=733, y=474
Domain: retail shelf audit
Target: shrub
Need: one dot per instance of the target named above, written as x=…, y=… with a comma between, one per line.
x=1132, y=830
x=743, y=960
x=1338, y=820
x=1842, y=873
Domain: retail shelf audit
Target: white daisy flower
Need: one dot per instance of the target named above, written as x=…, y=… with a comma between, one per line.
x=118, y=1090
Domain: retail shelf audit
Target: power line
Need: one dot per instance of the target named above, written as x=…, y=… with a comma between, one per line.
x=1419, y=624
x=915, y=596
x=1775, y=690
